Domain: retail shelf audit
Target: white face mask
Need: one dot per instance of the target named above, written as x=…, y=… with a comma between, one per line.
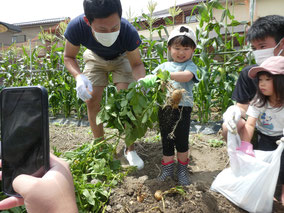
x=261, y=55
x=106, y=39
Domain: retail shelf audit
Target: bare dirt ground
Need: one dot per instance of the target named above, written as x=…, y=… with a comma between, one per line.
x=205, y=163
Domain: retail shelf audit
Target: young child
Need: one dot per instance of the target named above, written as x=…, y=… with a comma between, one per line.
x=174, y=123
x=266, y=36
x=266, y=111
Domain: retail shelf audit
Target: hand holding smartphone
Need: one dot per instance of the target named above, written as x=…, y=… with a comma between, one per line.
x=24, y=134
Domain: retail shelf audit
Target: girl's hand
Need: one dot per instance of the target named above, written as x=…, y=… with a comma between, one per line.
x=246, y=147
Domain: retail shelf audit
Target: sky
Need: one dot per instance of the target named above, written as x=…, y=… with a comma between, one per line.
x=17, y=11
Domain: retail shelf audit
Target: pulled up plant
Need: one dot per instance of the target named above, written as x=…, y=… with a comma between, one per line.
x=132, y=111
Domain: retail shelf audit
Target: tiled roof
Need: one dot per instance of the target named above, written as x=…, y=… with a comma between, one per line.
x=44, y=21
x=11, y=27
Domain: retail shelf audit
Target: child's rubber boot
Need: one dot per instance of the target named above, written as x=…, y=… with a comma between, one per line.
x=167, y=170
x=182, y=173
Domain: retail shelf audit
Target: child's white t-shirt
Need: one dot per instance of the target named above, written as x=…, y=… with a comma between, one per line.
x=270, y=120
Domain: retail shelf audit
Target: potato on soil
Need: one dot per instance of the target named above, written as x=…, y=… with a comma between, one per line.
x=158, y=195
x=140, y=198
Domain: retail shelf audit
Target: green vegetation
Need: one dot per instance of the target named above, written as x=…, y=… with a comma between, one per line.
x=134, y=110
x=93, y=167
x=95, y=173
x=216, y=143
x=218, y=61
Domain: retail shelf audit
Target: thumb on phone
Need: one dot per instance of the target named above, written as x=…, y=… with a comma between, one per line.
x=23, y=184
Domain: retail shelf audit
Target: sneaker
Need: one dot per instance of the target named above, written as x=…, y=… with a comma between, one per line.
x=134, y=159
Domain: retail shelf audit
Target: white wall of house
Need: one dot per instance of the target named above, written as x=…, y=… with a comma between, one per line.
x=29, y=32
x=241, y=9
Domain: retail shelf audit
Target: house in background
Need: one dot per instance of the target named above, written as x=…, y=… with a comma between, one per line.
x=4, y=27
x=29, y=32
x=161, y=16
x=239, y=8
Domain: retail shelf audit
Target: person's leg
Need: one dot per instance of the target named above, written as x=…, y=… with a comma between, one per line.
x=120, y=86
x=182, y=144
x=166, y=126
x=182, y=172
x=224, y=131
x=130, y=153
x=122, y=77
x=96, y=71
x=167, y=159
x=168, y=164
x=93, y=107
x=182, y=156
x=282, y=195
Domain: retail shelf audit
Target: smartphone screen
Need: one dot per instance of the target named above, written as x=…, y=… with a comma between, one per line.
x=24, y=134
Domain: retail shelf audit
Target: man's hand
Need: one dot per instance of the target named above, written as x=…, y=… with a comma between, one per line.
x=231, y=118
x=83, y=85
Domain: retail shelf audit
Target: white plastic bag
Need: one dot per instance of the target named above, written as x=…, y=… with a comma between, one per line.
x=250, y=182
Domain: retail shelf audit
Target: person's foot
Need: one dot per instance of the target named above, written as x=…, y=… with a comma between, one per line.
x=134, y=159
x=182, y=173
x=167, y=170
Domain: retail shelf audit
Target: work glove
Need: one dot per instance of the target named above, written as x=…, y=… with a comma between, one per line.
x=148, y=81
x=231, y=118
x=83, y=85
x=246, y=147
x=280, y=141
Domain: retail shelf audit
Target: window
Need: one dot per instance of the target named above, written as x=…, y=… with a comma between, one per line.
x=18, y=39
x=191, y=19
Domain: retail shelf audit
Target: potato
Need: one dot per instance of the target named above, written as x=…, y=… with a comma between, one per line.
x=176, y=97
x=140, y=198
x=158, y=195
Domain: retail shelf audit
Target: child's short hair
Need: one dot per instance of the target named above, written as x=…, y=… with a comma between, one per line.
x=101, y=8
x=184, y=36
x=267, y=26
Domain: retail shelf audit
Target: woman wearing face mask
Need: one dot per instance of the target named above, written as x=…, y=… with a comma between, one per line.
x=266, y=36
x=112, y=46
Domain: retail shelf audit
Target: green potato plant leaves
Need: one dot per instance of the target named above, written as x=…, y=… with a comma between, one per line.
x=132, y=111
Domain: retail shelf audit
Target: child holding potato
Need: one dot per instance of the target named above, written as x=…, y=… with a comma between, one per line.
x=174, y=119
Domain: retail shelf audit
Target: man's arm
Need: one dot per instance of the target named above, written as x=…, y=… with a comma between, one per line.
x=136, y=64
x=243, y=108
x=70, y=61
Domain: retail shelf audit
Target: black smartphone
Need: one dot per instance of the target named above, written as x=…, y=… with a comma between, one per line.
x=24, y=134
